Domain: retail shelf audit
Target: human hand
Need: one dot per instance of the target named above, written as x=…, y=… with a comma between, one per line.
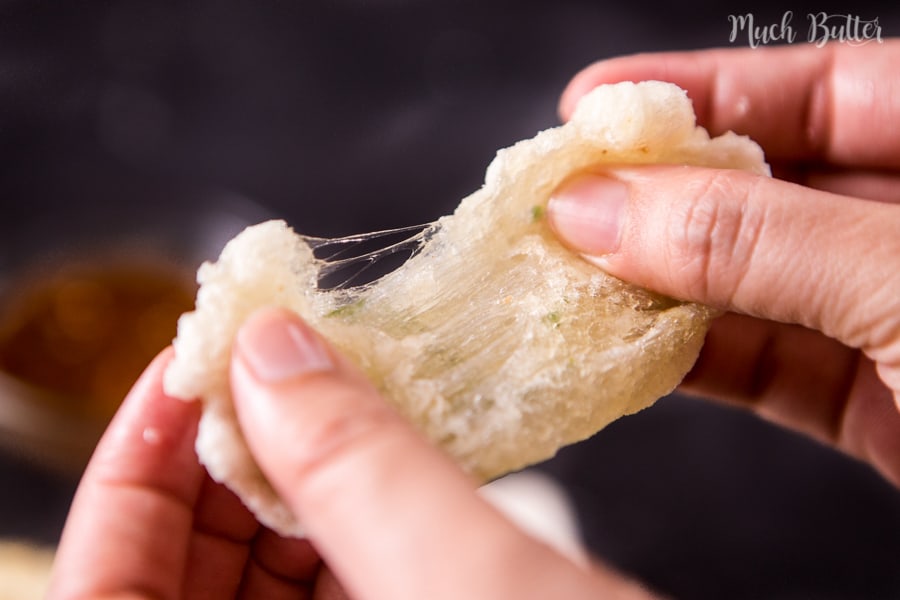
x=808, y=263
x=387, y=513
x=148, y=522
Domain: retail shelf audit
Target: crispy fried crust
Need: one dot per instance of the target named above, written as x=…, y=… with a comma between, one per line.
x=497, y=342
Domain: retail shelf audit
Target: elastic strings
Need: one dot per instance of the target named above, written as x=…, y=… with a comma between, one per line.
x=344, y=260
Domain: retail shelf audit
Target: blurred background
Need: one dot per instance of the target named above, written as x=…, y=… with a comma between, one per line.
x=137, y=136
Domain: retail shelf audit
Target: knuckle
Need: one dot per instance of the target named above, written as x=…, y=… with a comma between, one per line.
x=713, y=236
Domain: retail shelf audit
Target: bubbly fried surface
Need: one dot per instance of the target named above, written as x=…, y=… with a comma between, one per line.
x=495, y=340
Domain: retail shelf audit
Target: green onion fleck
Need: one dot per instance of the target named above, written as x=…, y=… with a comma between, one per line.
x=553, y=318
x=346, y=310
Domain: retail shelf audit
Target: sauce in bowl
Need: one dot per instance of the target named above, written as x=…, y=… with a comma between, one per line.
x=82, y=333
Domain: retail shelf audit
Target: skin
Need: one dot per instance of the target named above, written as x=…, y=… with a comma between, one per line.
x=807, y=272
x=811, y=339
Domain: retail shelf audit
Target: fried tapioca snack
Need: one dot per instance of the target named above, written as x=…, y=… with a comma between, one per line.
x=494, y=340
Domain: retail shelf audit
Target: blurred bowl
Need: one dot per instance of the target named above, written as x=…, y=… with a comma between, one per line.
x=83, y=309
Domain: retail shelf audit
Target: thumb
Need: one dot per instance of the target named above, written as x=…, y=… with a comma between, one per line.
x=741, y=242
x=391, y=515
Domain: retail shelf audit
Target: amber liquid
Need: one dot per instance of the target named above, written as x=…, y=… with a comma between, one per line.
x=86, y=332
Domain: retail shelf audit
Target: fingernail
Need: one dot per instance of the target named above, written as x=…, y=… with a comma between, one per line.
x=587, y=213
x=277, y=346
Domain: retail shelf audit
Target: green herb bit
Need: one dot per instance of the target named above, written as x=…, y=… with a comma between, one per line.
x=553, y=318
x=346, y=310
x=537, y=213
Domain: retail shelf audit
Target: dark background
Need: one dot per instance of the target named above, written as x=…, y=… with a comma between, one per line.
x=119, y=118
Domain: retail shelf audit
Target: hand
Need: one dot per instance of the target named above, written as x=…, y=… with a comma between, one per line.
x=390, y=515
x=808, y=264
x=148, y=522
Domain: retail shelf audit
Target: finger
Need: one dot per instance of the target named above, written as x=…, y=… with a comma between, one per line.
x=745, y=243
x=329, y=588
x=801, y=379
x=828, y=104
x=219, y=549
x=792, y=375
x=129, y=525
x=390, y=514
x=883, y=187
x=280, y=568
